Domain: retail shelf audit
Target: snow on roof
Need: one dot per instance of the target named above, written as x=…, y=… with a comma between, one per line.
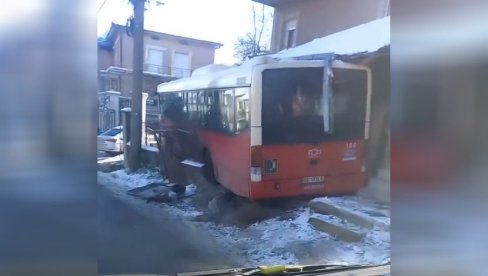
x=232, y=76
x=368, y=37
x=219, y=76
x=209, y=69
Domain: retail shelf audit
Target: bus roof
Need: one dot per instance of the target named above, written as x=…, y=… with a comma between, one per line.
x=211, y=77
x=219, y=76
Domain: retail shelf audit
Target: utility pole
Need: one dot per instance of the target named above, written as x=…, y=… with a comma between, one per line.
x=137, y=78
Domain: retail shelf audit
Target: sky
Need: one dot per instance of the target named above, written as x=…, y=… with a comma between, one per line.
x=222, y=21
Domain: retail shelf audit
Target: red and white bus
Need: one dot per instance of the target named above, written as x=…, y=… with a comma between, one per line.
x=269, y=129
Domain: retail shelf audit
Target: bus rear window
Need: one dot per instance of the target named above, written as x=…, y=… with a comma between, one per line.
x=292, y=105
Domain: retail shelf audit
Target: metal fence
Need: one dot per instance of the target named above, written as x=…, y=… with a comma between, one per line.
x=150, y=138
x=106, y=119
x=123, y=102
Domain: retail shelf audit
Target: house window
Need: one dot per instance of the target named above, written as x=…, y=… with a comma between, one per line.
x=114, y=84
x=181, y=65
x=290, y=33
x=154, y=60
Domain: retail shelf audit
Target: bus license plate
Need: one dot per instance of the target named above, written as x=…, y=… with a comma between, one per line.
x=313, y=179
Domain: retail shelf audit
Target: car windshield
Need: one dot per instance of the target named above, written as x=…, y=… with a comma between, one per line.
x=231, y=155
x=111, y=132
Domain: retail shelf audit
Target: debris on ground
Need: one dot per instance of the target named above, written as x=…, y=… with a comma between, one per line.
x=326, y=207
x=162, y=191
x=336, y=231
x=269, y=233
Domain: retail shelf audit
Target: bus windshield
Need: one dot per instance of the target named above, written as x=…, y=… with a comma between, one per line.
x=292, y=105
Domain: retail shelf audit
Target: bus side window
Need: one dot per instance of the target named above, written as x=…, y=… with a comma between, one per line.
x=184, y=99
x=213, y=115
x=242, y=108
x=161, y=104
x=226, y=100
x=165, y=101
x=202, y=107
x=193, y=105
x=189, y=104
x=175, y=107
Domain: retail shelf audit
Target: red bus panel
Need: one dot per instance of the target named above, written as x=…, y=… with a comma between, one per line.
x=328, y=168
x=230, y=157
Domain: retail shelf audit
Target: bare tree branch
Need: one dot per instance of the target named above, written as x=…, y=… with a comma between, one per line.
x=251, y=45
x=254, y=22
x=262, y=26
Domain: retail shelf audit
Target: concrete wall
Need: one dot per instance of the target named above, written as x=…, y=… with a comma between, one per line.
x=318, y=18
x=377, y=144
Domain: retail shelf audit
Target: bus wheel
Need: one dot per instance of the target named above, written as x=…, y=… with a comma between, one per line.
x=208, y=169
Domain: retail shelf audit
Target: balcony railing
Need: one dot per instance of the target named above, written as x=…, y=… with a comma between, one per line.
x=167, y=71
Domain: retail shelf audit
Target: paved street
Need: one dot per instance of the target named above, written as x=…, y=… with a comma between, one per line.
x=129, y=242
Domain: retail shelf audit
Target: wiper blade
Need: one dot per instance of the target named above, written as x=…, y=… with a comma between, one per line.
x=303, y=269
x=298, y=270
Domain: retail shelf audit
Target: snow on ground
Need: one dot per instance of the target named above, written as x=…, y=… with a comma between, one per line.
x=280, y=240
x=149, y=148
x=359, y=206
x=112, y=159
x=127, y=181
